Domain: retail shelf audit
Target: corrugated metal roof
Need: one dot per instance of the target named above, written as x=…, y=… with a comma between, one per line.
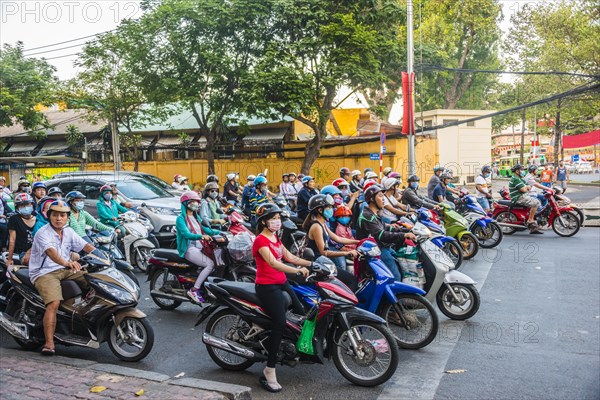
x=60, y=121
x=265, y=135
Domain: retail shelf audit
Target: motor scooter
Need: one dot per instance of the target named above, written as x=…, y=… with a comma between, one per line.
x=136, y=245
x=457, y=226
x=486, y=230
x=448, y=244
x=108, y=244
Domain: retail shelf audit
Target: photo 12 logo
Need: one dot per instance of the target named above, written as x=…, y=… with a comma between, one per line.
x=55, y=12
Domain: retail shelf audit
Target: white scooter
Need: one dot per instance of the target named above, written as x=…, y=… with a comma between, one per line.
x=454, y=292
x=138, y=249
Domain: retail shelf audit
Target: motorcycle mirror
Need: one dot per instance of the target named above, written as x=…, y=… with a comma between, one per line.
x=143, y=205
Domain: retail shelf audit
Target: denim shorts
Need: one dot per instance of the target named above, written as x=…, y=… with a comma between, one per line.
x=484, y=202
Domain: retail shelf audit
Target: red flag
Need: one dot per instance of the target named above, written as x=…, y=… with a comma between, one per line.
x=408, y=91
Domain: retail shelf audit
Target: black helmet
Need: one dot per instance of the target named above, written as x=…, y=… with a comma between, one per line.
x=71, y=196
x=368, y=170
x=54, y=190
x=516, y=167
x=320, y=200
x=371, y=192
x=212, y=178
x=264, y=211
x=486, y=168
x=445, y=176
x=344, y=171
x=532, y=168
x=413, y=178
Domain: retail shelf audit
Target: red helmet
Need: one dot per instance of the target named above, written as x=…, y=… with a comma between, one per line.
x=368, y=184
x=339, y=182
x=342, y=211
x=189, y=195
x=176, y=178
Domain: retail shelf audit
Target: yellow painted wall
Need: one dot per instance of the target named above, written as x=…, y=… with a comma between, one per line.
x=325, y=169
x=346, y=119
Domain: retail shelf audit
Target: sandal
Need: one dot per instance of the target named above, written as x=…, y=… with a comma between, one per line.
x=47, y=351
x=267, y=386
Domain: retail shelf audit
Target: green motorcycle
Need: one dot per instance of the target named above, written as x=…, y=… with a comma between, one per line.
x=457, y=227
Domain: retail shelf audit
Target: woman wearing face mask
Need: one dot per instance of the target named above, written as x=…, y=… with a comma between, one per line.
x=79, y=218
x=41, y=213
x=210, y=207
x=321, y=211
x=108, y=208
x=271, y=283
x=20, y=229
x=349, y=197
x=412, y=198
x=189, y=233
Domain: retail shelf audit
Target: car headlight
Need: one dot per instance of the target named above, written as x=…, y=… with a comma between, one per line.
x=122, y=295
x=163, y=210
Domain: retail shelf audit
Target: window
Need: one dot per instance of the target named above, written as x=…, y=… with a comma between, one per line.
x=428, y=123
x=471, y=123
x=69, y=186
x=139, y=189
x=91, y=190
x=449, y=121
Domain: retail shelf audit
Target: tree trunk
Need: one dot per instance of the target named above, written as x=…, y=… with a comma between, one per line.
x=453, y=95
x=523, y=116
x=557, y=134
x=311, y=153
x=136, y=156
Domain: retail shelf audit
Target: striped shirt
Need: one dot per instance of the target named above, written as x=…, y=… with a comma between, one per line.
x=516, y=183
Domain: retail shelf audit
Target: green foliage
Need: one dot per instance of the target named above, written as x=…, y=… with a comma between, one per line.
x=184, y=138
x=24, y=84
x=74, y=137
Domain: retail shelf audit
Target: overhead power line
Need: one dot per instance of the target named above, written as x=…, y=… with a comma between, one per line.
x=66, y=55
x=69, y=41
x=59, y=49
x=488, y=71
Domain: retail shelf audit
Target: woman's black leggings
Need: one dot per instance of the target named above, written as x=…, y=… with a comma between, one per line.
x=275, y=304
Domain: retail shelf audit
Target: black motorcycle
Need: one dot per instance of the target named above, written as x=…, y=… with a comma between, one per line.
x=106, y=312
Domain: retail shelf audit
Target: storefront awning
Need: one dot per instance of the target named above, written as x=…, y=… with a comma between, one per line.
x=51, y=148
x=22, y=147
x=584, y=140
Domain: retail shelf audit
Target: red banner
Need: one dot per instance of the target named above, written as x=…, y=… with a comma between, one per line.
x=408, y=92
x=583, y=140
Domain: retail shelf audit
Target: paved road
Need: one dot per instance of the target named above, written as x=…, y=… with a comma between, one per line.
x=535, y=336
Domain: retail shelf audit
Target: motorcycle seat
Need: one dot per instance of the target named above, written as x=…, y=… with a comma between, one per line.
x=169, y=255
x=507, y=203
x=69, y=288
x=246, y=291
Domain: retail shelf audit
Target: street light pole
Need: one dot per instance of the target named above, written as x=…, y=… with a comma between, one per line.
x=409, y=69
x=115, y=145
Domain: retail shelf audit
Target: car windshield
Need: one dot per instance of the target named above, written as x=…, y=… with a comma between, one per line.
x=158, y=182
x=139, y=189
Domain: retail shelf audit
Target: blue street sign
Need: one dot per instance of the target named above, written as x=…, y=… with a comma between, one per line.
x=382, y=136
x=575, y=157
x=383, y=149
x=374, y=156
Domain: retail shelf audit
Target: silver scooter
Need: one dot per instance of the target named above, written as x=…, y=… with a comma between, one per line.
x=454, y=292
x=138, y=249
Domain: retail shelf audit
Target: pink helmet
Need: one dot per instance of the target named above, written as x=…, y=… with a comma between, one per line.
x=189, y=195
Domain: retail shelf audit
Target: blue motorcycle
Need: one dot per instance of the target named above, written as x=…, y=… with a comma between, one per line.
x=448, y=244
x=486, y=230
x=410, y=316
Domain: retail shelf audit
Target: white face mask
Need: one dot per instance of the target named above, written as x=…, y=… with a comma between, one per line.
x=213, y=195
x=274, y=225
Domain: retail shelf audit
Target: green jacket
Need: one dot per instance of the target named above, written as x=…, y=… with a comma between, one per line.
x=84, y=218
x=185, y=236
x=106, y=213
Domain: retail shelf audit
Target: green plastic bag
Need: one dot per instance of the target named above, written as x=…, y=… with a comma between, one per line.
x=305, y=342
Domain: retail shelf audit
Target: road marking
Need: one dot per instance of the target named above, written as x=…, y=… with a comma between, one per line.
x=419, y=374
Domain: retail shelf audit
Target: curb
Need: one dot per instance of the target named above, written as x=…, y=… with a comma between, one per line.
x=230, y=391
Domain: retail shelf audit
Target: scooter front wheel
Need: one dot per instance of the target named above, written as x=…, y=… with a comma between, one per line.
x=470, y=245
x=490, y=236
x=132, y=340
x=141, y=255
x=464, y=306
x=412, y=320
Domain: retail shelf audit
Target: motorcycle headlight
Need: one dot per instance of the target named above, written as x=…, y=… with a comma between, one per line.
x=122, y=295
x=163, y=210
x=374, y=252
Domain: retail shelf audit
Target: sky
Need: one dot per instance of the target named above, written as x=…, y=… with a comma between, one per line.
x=39, y=23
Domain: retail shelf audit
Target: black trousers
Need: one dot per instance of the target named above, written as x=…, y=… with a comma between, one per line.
x=275, y=304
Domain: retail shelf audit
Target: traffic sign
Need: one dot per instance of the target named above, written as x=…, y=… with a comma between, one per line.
x=383, y=149
x=575, y=157
x=374, y=156
x=382, y=137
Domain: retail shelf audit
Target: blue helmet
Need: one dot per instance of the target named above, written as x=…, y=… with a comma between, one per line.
x=259, y=181
x=37, y=185
x=307, y=179
x=331, y=190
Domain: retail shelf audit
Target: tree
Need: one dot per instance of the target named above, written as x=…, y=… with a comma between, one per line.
x=24, y=84
x=315, y=48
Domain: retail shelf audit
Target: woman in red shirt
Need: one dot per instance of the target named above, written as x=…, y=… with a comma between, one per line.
x=271, y=283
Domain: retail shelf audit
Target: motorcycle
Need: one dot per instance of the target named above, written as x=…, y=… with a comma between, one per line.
x=105, y=313
x=448, y=244
x=172, y=276
x=136, y=245
x=410, y=316
x=236, y=222
x=454, y=292
x=513, y=218
x=486, y=230
x=457, y=227
x=564, y=201
x=362, y=347
x=108, y=244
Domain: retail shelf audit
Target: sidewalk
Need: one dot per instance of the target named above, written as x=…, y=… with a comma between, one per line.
x=26, y=375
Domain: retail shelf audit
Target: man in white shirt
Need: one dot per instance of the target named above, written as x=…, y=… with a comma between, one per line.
x=50, y=263
x=483, y=187
x=532, y=182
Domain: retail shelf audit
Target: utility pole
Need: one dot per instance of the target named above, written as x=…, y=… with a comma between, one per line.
x=409, y=69
x=115, y=144
x=523, y=116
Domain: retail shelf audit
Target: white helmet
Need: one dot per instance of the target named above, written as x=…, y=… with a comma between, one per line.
x=371, y=175
x=356, y=173
x=388, y=183
x=231, y=176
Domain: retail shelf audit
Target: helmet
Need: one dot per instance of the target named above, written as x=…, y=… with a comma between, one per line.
x=259, y=181
x=42, y=203
x=368, y=184
x=37, y=185
x=285, y=174
x=259, y=174
x=105, y=188
x=210, y=186
x=532, y=168
x=292, y=174
x=22, y=198
x=368, y=170
x=331, y=190
x=355, y=173
x=182, y=179
x=73, y=196
x=59, y=206
x=251, y=178
x=212, y=178
x=22, y=182
x=54, y=190
x=231, y=176
x=395, y=175
x=413, y=178
x=189, y=195
x=342, y=211
x=437, y=168
x=389, y=183
x=370, y=175
x=307, y=179
x=387, y=170
x=344, y=171
x=516, y=167
x=371, y=192
x=264, y=211
x=486, y=168
x=320, y=200
x=339, y=182
x=445, y=176
x=176, y=177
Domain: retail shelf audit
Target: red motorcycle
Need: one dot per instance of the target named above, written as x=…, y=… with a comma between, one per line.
x=236, y=222
x=513, y=218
